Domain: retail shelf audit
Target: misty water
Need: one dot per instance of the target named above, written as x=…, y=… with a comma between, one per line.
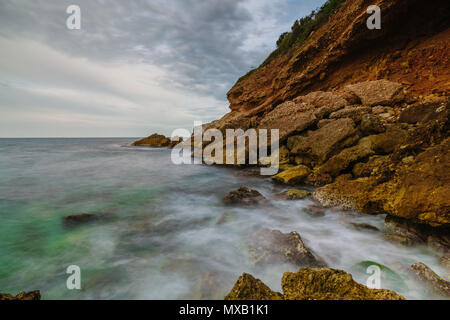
x=166, y=233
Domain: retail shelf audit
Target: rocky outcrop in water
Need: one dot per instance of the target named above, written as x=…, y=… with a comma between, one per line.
x=32, y=295
x=309, y=284
x=244, y=196
x=155, y=141
x=431, y=280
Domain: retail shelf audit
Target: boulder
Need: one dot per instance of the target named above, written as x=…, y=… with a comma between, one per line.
x=355, y=113
x=244, y=196
x=430, y=279
x=293, y=175
x=329, y=284
x=324, y=102
x=288, y=118
x=295, y=194
x=366, y=169
x=320, y=144
x=32, y=295
x=155, y=141
x=249, y=288
x=379, y=92
x=271, y=246
x=371, y=124
x=424, y=112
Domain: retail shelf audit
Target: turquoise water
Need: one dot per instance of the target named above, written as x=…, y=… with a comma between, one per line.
x=161, y=234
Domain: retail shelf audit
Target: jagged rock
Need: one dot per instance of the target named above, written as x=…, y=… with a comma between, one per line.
x=371, y=124
x=293, y=175
x=329, y=284
x=288, y=118
x=155, y=140
x=81, y=219
x=355, y=113
x=245, y=196
x=271, y=246
x=379, y=92
x=32, y=295
x=340, y=162
x=430, y=279
x=295, y=194
x=320, y=144
x=366, y=169
x=249, y=288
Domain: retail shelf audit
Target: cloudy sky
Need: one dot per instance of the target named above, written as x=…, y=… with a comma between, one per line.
x=135, y=67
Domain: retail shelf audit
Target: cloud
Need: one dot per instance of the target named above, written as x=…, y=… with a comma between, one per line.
x=141, y=66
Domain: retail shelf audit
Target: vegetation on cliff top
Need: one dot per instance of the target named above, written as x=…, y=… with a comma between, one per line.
x=301, y=30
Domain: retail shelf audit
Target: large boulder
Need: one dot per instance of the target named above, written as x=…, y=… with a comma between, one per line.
x=249, y=288
x=320, y=144
x=292, y=175
x=288, y=118
x=329, y=284
x=155, y=141
x=271, y=246
x=32, y=295
x=430, y=279
x=244, y=196
x=379, y=92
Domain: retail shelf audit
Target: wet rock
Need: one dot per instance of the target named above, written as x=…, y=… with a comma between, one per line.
x=271, y=246
x=355, y=113
x=445, y=261
x=371, y=124
x=329, y=284
x=209, y=287
x=315, y=211
x=249, y=288
x=404, y=231
x=430, y=279
x=77, y=220
x=32, y=295
x=293, y=175
x=295, y=194
x=288, y=118
x=155, y=140
x=244, y=196
x=320, y=144
x=379, y=92
x=365, y=226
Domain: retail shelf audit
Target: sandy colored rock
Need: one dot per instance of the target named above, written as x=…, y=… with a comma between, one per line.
x=379, y=92
x=366, y=169
x=329, y=284
x=271, y=246
x=155, y=141
x=371, y=124
x=32, y=295
x=293, y=175
x=249, y=288
x=430, y=279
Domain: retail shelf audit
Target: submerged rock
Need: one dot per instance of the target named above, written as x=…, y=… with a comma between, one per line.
x=80, y=219
x=309, y=284
x=271, y=246
x=315, y=211
x=245, y=196
x=32, y=295
x=155, y=140
x=249, y=288
x=430, y=279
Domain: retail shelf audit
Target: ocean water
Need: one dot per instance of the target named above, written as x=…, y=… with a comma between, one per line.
x=166, y=233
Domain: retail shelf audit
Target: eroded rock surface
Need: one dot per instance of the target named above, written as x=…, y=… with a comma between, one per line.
x=32, y=295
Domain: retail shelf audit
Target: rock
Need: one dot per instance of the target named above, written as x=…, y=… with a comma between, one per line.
x=321, y=99
x=366, y=169
x=293, y=175
x=371, y=124
x=315, y=211
x=405, y=232
x=365, y=226
x=320, y=144
x=288, y=118
x=249, y=288
x=32, y=295
x=383, y=110
x=389, y=141
x=430, y=279
x=295, y=194
x=317, y=179
x=445, y=261
x=355, y=113
x=155, y=141
x=271, y=246
x=379, y=92
x=324, y=122
x=424, y=112
x=340, y=162
x=77, y=220
x=209, y=286
x=244, y=196
x=329, y=284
